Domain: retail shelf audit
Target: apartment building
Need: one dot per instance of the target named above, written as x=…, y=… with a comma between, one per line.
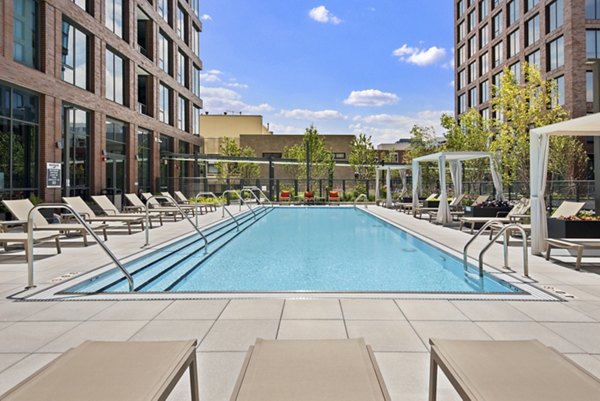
x=561, y=37
x=94, y=94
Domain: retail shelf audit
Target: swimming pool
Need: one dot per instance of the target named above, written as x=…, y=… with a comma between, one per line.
x=301, y=249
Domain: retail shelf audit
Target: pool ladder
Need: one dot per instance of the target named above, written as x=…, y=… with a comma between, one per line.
x=362, y=196
x=512, y=226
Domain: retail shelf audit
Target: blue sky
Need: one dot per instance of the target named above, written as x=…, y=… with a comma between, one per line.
x=346, y=66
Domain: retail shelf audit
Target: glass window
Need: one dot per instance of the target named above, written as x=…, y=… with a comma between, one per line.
x=164, y=9
x=497, y=24
x=115, y=77
x=516, y=70
x=472, y=46
x=74, y=56
x=554, y=15
x=181, y=113
x=76, y=151
x=533, y=30
x=498, y=54
x=196, y=81
x=462, y=103
x=556, y=53
x=485, y=114
x=25, y=32
x=485, y=91
x=113, y=16
x=164, y=109
x=181, y=24
x=534, y=59
x=484, y=65
x=182, y=69
x=484, y=36
x=144, y=143
x=512, y=12
x=196, y=7
x=495, y=4
x=484, y=8
x=81, y=3
x=592, y=9
x=592, y=43
x=560, y=89
x=196, y=41
x=472, y=20
x=164, y=53
x=513, y=44
x=116, y=136
x=529, y=4
x=196, y=111
x=461, y=31
x=460, y=8
x=497, y=79
x=461, y=79
x=472, y=72
x=589, y=86
x=166, y=166
x=473, y=97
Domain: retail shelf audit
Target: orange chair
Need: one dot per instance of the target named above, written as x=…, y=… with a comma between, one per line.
x=285, y=196
x=334, y=196
x=309, y=196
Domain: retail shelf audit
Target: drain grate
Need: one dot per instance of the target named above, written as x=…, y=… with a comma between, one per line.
x=559, y=292
x=64, y=277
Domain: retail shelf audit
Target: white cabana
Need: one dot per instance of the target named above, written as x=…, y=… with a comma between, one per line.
x=539, y=142
x=455, y=159
x=388, y=170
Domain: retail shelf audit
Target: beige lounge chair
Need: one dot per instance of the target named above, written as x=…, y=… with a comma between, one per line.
x=185, y=205
x=137, y=204
x=23, y=238
x=432, y=211
x=332, y=370
x=407, y=207
x=155, y=204
x=509, y=371
x=88, y=214
x=109, y=209
x=115, y=371
x=576, y=244
x=20, y=209
x=519, y=209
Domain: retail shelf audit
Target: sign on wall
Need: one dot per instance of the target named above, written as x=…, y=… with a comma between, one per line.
x=53, y=175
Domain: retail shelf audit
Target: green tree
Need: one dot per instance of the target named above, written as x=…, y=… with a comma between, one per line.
x=522, y=104
x=321, y=159
x=423, y=142
x=362, y=156
x=244, y=170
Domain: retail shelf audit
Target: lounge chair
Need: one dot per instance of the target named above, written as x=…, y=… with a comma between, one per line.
x=182, y=200
x=309, y=197
x=334, y=196
x=407, y=207
x=156, y=204
x=137, y=204
x=432, y=211
x=518, y=210
x=20, y=209
x=109, y=209
x=88, y=214
x=285, y=196
x=23, y=238
x=509, y=370
x=115, y=371
x=332, y=370
x=184, y=205
x=576, y=244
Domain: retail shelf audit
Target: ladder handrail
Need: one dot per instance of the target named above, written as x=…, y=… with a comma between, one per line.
x=502, y=231
x=362, y=196
x=171, y=200
x=88, y=228
x=255, y=188
x=244, y=189
x=212, y=194
x=477, y=234
x=239, y=195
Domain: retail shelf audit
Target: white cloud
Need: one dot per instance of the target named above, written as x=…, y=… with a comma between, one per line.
x=237, y=85
x=286, y=129
x=304, y=114
x=371, y=97
x=323, y=15
x=451, y=84
x=206, y=17
x=211, y=76
x=418, y=56
x=219, y=100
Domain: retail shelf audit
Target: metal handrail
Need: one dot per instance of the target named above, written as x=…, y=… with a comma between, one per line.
x=170, y=199
x=362, y=196
x=242, y=202
x=88, y=228
x=477, y=234
x=255, y=188
x=212, y=194
x=244, y=189
x=502, y=231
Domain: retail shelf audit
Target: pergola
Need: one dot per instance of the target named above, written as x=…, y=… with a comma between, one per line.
x=388, y=169
x=455, y=159
x=538, y=150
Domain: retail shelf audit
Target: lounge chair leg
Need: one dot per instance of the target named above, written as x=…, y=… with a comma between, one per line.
x=548, y=248
x=579, y=255
x=129, y=228
x=105, y=236
x=58, y=250
x=194, y=378
x=432, y=378
x=85, y=241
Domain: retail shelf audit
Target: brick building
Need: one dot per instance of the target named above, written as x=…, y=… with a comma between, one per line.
x=559, y=36
x=102, y=87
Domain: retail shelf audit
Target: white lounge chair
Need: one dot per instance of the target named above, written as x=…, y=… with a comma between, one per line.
x=20, y=209
x=519, y=209
x=23, y=238
x=186, y=205
x=110, y=209
x=88, y=214
x=577, y=244
x=137, y=204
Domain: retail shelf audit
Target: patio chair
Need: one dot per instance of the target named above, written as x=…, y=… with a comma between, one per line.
x=137, y=204
x=407, y=207
x=285, y=196
x=185, y=206
x=309, y=197
x=115, y=371
x=20, y=208
x=332, y=370
x=518, y=210
x=509, y=370
x=109, y=209
x=181, y=199
x=155, y=204
x=334, y=196
x=88, y=214
x=576, y=244
x=432, y=211
x=23, y=238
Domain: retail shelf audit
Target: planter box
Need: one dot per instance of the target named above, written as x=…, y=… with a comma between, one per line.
x=477, y=211
x=573, y=229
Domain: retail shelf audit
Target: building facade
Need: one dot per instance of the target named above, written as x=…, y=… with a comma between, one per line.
x=101, y=89
x=558, y=36
x=216, y=127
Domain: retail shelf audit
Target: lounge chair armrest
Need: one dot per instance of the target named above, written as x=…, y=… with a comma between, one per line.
x=502, y=214
x=133, y=208
x=109, y=212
